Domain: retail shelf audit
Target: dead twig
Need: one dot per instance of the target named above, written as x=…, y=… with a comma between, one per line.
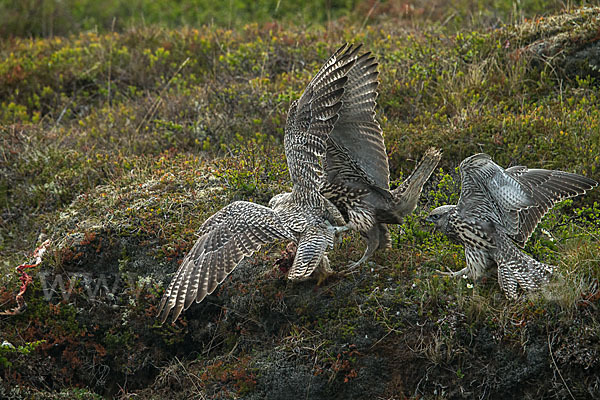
x=154, y=107
x=556, y=367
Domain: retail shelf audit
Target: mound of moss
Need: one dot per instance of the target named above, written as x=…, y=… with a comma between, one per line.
x=565, y=45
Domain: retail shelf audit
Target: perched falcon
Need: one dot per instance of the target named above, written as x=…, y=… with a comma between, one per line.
x=497, y=211
x=303, y=215
x=357, y=170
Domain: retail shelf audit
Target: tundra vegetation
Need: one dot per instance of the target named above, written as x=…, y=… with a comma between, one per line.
x=119, y=137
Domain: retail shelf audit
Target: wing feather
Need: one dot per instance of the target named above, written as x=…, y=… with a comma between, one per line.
x=548, y=187
x=517, y=198
x=236, y=231
x=310, y=121
x=357, y=132
x=488, y=192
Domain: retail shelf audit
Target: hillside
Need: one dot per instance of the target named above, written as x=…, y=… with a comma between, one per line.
x=117, y=145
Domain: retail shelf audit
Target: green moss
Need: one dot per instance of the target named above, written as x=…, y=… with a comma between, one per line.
x=8, y=350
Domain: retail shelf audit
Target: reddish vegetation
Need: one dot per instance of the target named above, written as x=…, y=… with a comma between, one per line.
x=26, y=279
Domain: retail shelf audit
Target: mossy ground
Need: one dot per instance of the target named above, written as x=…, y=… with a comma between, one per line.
x=118, y=145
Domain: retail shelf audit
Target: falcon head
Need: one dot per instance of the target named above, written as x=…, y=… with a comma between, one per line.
x=439, y=217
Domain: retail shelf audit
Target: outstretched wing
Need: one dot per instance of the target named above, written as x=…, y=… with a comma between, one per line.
x=310, y=120
x=489, y=193
x=515, y=199
x=236, y=231
x=547, y=188
x=356, y=149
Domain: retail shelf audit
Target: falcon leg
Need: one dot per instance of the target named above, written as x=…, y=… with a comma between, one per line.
x=385, y=240
x=337, y=230
x=323, y=271
x=372, y=245
x=334, y=213
x=340, y=229
x=454, y=274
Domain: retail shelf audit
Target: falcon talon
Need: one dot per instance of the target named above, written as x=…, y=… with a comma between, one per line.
x=340, y=229
x=451, y=274
x=353, y=267
x=349, y=271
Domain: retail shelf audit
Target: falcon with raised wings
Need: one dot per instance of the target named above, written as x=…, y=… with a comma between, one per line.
x=496, y=214
x=303, y=215
x=357, y=170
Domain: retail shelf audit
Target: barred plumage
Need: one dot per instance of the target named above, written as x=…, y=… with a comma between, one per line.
x=357, y=167
x=499, y=209
x=303, y=215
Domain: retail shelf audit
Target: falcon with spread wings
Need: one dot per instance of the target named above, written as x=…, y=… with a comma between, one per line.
x=496, y=214
x=357, y=170
x=303, y=215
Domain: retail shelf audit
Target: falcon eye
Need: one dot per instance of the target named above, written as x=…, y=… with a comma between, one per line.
x=434, y=217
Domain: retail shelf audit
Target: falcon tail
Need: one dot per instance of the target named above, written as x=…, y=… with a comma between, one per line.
x=311, y=251
x=516, y=268
x=407, y=194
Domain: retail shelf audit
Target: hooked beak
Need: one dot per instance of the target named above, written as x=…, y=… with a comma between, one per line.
x=429, y=224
